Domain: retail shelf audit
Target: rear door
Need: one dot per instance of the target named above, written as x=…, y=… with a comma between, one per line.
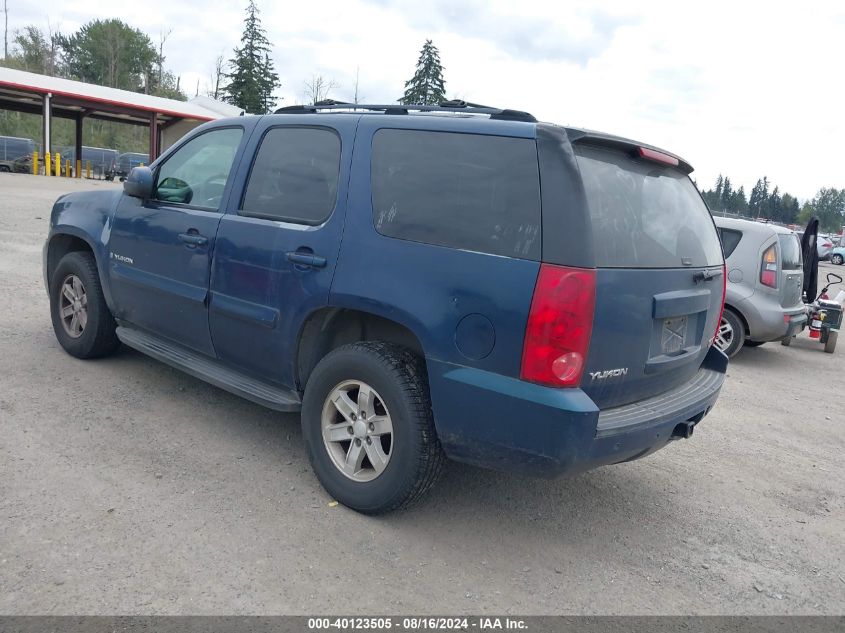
x=659, y=278
x=277, y=246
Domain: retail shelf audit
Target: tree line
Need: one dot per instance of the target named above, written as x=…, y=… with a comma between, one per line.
x=766, y=202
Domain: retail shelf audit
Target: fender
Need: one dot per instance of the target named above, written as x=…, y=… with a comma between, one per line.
x=88, y=217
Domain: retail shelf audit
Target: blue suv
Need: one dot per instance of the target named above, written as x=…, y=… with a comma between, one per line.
x=421, y=282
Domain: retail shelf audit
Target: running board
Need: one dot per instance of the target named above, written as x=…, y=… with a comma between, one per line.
x=210, y=370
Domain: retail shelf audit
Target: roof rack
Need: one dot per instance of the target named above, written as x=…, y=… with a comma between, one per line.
x=444, y=106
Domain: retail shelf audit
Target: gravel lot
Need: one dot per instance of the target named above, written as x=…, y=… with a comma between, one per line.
x=127, y=487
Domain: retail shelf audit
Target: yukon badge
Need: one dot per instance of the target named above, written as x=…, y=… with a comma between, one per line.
x=608, y=373
x=121, y=258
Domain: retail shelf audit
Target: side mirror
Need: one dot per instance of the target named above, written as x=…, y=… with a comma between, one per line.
x=139, y=183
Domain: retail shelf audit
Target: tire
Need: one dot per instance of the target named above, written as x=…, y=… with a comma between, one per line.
x=754, y=343
x=830, y=343
x=398, y=382
x=4, y=168
x=786, y=342
x=731, y=335
x=93, y=336
x=837, y=259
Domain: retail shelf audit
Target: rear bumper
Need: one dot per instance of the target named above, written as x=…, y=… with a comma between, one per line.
x=507, y=424
x=768, y=320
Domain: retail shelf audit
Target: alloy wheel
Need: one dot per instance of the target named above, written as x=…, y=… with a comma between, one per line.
x=357, y=430
x=73, y=306
x=725, y=335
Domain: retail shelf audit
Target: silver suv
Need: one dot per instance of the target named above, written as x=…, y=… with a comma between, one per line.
x=763, y=300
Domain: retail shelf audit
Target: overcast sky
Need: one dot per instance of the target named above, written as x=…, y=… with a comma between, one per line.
x=742, y=88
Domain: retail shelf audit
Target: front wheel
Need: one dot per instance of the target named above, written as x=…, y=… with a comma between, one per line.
x=837, y=259
x=369, y=429
x=731, y=334
x=82, y=321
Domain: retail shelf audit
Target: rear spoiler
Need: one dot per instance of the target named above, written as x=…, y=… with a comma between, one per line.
x=639, y=150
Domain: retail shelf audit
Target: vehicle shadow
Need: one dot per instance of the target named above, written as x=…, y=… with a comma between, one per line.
x=466, y=498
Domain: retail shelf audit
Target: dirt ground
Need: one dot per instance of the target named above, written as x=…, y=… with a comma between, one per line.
x=127, y=487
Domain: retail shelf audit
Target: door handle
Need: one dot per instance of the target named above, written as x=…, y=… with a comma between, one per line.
x=306, y=259
x=193, y=239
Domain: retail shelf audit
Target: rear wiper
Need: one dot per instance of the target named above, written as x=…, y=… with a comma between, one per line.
x=706, y=275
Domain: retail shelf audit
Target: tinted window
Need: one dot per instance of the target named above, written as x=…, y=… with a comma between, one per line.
x=467, y=191
x=790, y=251
x=197, y=172
x=730, y=240
x=294, y=177
x=645, y=215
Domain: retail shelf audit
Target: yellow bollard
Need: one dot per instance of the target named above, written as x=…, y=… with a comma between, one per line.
x=58, y=164
x=78, y=172
x=88, y=169
x=48, y=162
x=67, y=168
x=34, y=163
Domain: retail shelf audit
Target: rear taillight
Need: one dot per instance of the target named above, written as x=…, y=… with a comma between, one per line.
x=769, y=268
x=560, y=323
x=722, y=306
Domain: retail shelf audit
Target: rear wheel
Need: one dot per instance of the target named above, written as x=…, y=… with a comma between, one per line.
x=837, y=259
x=731, y=334
x=369, y=429
x=830, y=343
x=5, y=168
x=786, y=342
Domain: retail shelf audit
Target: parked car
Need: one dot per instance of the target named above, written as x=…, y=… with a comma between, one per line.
x=824, y=246
x=837, y=255
x=763, y=301
x=406, y=284
x=103, y=160
x=127, y=161
x=13, y=148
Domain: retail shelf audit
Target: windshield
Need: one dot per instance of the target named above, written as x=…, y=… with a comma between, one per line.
x=645, y=215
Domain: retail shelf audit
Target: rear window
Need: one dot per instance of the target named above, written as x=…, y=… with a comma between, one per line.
x=730, y=240
x=467, y=191
x=790, y=251
x=645, y=215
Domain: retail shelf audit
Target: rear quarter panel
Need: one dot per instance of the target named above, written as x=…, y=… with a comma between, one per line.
x=458, y=303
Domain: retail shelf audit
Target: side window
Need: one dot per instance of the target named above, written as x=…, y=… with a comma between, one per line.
x=730, y=240
x=294, y=177
x=467, y=191
x=197, y=172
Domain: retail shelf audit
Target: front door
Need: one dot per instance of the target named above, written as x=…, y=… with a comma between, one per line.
x=160, y=249
x=277, y=246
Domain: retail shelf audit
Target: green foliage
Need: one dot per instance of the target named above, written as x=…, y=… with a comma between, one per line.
x=253, y=79
x=761, y=204
x=427, y=86
x=111, y=53
x=828, y=206
x=723, y=198
x=34, y=52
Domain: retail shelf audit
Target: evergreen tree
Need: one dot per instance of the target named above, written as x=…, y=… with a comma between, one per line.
x=427, y=86
x=727, y=193
x=253, y=78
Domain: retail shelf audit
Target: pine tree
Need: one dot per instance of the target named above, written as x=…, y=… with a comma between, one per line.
x=727, y=192
x=253, y=78
x=427, y=86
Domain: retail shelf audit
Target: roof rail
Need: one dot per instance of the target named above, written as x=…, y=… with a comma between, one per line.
x=454, y=105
